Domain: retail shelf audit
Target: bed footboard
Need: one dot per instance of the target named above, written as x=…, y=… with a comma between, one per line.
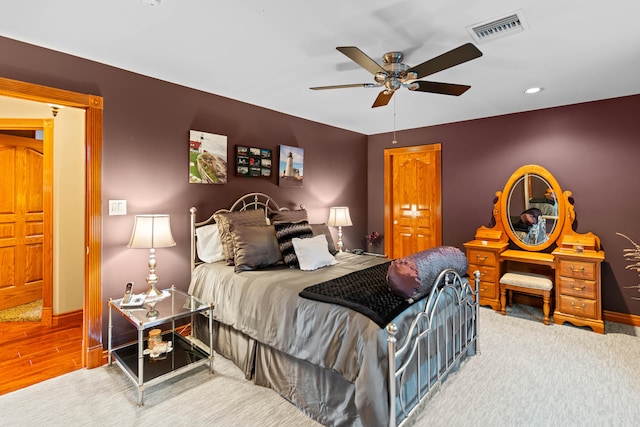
x=435, y=343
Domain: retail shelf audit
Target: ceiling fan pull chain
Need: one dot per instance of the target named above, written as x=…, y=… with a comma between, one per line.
x=394, y=121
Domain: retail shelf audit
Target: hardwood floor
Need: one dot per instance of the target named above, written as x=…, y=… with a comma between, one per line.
x=31, y=353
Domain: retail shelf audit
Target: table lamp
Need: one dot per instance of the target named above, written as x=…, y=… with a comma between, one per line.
x=339, y=217
x=151, y=232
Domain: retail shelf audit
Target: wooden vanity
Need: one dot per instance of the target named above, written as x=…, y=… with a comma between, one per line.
x=570, y=259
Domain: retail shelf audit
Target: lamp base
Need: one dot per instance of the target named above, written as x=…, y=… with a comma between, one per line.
x=153, y=293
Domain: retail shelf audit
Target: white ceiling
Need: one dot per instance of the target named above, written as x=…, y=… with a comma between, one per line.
x=269, y=52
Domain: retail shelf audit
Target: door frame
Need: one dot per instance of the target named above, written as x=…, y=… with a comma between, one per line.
x=93, y=105
x=388, y=190
x=46, y=125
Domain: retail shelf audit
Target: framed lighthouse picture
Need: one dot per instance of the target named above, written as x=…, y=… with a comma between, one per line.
x=291, y=166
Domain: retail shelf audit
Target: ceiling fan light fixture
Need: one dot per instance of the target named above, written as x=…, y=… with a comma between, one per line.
x=381, y=77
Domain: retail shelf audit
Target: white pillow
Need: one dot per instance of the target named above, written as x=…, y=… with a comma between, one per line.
x=208, y=243
x=313, y=252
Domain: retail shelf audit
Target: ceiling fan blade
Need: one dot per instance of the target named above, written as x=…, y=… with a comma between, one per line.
x=344, y=86
x=457, y=56
x=383, y=98
x=437, y=87
x=360, y=58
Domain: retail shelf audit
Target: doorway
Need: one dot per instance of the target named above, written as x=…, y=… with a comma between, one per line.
x=92, y=348
x=26, y=215
x=412, y=199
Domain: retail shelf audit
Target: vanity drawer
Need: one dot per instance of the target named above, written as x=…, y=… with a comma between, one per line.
x=578, y=269
x=488, y=290
x=578, y=307
x=479, y=257
x=577, y=287
x=487, y=274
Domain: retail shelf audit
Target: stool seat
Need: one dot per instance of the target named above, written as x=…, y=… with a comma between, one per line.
x=527, y=280
x=529, y=283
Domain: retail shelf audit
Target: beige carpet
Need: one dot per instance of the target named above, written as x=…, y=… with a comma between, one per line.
x=31, y=312
x=527, y=374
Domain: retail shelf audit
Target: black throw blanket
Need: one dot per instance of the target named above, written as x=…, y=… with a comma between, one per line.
x=364, y=291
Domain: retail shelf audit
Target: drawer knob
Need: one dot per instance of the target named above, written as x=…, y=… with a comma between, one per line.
x=579, y=288
x=483, y=258
x=581, y=306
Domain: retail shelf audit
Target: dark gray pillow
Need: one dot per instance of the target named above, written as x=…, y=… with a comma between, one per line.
x=226, y=220
x=413, y=276
x=324, y=229
x=255, y=247
x=285, y=232
x=288, y=216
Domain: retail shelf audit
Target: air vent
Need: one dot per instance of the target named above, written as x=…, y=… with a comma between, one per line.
x=496, y=28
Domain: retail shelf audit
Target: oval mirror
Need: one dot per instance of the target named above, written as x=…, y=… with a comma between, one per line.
x=532, y=210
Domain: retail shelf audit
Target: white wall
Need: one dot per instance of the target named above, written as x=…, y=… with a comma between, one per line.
x=68, y=197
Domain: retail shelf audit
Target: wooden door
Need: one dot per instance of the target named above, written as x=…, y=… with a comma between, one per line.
x=412, y=198
x=21, y=220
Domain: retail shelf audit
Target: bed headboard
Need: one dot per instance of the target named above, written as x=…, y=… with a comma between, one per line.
x=247, y=202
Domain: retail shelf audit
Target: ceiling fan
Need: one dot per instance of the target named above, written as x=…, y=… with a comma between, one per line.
x=393, y=74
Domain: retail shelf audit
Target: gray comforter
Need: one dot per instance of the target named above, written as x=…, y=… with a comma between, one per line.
x=265, y=305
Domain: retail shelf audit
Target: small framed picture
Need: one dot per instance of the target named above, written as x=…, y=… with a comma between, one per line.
x=253, y=161
x=207, y=158
x=291, y=166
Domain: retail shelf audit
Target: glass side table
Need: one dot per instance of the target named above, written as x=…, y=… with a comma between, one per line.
x=144, y=368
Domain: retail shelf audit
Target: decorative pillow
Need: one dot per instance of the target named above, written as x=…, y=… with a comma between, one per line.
x=413, y=276
x=255, y=247
x=285, y=232
x=225, y=220
x=324, y=229
x=208, y=244
x=288, y=216
x=313, y=252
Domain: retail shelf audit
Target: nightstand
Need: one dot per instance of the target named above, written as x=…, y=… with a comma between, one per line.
x=145, y=369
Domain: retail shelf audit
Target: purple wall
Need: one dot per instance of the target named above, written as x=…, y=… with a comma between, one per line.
x=145, y=158
x=592, y=150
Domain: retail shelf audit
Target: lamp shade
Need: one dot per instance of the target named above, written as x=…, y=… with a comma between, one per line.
x=339, y=217
x=151, y=231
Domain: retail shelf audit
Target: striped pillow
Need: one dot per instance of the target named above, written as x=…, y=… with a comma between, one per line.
x=285, y=232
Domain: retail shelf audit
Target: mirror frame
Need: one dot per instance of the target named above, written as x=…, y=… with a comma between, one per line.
x=504, y=203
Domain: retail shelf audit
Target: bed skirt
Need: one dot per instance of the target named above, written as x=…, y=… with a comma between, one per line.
x=230, y=344
x=322, y=394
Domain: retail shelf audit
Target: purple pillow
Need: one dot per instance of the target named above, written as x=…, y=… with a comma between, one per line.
x=402, y=278
x=413, y=276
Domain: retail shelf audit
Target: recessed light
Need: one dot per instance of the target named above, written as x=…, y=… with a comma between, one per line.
x=151, y=2
x=532, y=90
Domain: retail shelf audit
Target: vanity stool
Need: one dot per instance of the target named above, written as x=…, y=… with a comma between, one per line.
x=528, y=283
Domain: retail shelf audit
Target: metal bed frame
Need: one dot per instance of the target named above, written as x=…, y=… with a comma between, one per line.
x=458, y=340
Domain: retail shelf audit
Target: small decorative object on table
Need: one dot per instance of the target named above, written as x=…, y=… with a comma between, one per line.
x=373, y=238
x=156, y=348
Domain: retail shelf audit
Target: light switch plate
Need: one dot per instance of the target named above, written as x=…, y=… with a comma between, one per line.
x=117, y=207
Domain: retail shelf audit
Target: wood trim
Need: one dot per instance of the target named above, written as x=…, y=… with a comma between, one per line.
x=93, y=105
x=72, y=317
x=627, y=319
x=92, y=352
x=47, y=183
